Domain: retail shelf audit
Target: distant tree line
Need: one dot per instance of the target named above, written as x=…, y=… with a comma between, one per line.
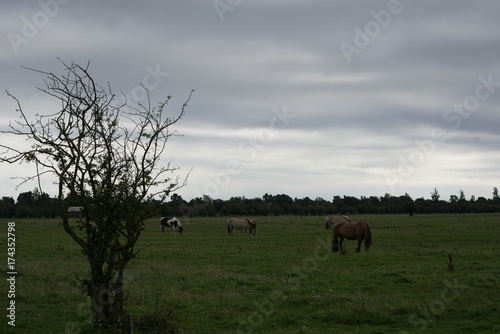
x=29, y=204
x=37, y=204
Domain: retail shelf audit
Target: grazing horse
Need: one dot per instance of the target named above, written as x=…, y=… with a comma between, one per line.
x=240, y=224
x=331, y=220
x=351, y=231
x=171, y=222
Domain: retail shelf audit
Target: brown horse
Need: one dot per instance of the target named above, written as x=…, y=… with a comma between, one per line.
x=351, y=231
x=331, y=220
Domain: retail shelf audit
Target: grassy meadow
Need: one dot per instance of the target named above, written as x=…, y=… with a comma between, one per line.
x=283, y=280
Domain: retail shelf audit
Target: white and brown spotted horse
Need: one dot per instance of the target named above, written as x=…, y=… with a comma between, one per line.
x=172, y=222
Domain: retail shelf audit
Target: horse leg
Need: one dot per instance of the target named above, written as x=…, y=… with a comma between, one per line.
x=358, y=249
x=341, y=245
x=335, y=244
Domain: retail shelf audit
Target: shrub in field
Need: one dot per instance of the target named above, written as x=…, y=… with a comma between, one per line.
x=161, y=321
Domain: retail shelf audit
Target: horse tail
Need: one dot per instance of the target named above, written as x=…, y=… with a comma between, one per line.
x=368, y=237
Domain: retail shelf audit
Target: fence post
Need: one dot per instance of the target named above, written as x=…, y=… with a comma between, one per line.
x=128, y=328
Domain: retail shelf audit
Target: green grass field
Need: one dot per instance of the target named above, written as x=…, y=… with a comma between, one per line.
x=283, y=280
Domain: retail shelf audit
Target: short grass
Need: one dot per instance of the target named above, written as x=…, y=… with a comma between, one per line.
x=283, y=280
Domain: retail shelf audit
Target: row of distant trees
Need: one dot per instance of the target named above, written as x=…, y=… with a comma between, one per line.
x=283, y=204
x=37, y=204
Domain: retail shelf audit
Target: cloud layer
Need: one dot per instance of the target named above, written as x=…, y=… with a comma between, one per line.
x=412, y=105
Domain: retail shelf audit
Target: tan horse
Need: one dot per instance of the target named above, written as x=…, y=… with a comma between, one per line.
x=240, y=224
x=351, y=231
x=331, y=220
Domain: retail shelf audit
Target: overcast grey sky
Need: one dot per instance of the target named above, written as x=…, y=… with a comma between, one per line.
x=307, y=98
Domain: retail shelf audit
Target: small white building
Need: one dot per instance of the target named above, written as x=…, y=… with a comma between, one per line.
x=75, y=211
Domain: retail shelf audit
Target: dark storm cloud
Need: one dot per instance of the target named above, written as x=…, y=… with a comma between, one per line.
x=355, y=117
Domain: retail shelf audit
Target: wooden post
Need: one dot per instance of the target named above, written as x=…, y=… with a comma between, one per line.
x=451, y=267
x=128, y=327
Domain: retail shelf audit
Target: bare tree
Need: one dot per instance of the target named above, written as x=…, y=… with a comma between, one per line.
x=461, y=196
x=106, y=157
x=435, y=195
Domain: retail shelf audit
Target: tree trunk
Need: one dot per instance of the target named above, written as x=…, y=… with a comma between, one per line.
x=106, y=290
x=100, y=301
